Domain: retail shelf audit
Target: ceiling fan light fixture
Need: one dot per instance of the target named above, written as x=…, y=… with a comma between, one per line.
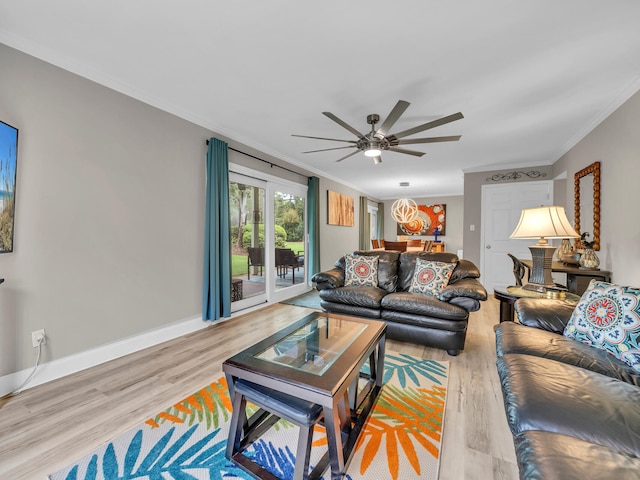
x=372, y=151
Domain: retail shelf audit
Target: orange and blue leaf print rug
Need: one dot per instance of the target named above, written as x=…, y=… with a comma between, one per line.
x=401, y=439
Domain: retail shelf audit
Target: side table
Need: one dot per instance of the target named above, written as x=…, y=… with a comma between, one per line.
x=508, y=297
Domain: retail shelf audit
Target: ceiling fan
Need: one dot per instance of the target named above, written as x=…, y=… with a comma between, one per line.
x=374, y=142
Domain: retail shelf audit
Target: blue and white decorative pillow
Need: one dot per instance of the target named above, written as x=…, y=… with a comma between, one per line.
x=608, y=317
x=430, y=277
x=361, y=270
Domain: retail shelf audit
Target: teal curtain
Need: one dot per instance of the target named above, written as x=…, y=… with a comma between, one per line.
x=312, y=259
x=365, y=225
x=216, y=284
x=380, y=225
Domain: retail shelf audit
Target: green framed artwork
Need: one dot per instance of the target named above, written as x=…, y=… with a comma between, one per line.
x=8, y=164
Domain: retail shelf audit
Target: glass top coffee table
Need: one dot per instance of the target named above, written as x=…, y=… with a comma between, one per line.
x=319, y=359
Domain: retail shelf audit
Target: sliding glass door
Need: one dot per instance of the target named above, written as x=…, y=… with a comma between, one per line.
x=268, y=238
x=248, y=265
x=289, y=238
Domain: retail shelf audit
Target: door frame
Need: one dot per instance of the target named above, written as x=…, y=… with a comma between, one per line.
x=271, y=185
x=485, y=227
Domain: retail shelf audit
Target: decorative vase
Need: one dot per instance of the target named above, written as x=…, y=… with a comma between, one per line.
x=564, y=249
x=589, y=259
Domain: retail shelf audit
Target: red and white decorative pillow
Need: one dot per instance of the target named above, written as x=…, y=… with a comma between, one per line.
x=431, y=277
x=361, y=270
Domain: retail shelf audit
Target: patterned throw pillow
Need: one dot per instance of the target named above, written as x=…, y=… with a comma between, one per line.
x=608, y=317
x=430, y=277
x=361, y=270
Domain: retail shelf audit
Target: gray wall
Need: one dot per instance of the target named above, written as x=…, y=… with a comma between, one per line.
x=615, y=143
x=454, y=218
x=109, y=214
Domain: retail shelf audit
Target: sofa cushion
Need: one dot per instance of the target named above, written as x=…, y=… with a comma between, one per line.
x=608, y=317
x=408, y=265
x=542, y=394
x=464, y=288
x=464, y=269
x=360, y=270
x=515, y=338
x=544, y=313
x=430, y=277
x=413, y=320
x=425, y=305
x=369, y=297
x=547, y=455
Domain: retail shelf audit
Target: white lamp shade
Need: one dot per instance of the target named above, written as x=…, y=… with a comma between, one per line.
x=544, y=222
x=404, y=210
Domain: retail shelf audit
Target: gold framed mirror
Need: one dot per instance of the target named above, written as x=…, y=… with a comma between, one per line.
x=587, y=202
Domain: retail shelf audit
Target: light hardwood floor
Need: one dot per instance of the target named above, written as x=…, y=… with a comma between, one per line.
x=49, y=426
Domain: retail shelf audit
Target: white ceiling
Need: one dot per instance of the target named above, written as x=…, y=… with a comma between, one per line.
x=531, y=77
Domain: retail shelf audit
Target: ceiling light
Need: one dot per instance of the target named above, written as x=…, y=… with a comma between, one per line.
x=373, y=152
x=404, y=210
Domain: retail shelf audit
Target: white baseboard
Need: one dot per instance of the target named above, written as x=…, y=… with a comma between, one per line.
x=95, y=356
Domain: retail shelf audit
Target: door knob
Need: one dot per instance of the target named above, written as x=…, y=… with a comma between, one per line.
x=488, y=247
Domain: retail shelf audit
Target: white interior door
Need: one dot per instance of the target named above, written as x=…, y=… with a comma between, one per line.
x=501, y=208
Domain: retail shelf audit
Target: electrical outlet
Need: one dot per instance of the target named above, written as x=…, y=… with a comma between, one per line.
x=38, y=337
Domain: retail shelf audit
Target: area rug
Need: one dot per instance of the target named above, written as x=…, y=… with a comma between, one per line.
x=401, y=439
x=310, y=300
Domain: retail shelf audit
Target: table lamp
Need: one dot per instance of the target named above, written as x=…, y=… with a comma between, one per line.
x=543, y=223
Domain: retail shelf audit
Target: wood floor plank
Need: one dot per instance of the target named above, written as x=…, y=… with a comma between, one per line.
x=49, y=426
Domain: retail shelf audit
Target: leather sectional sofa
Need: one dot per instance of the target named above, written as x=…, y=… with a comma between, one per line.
x=436, y=321
x=574, y=410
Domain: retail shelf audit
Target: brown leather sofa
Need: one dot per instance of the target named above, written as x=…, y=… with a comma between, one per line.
x=439, y=322
x=573, y=410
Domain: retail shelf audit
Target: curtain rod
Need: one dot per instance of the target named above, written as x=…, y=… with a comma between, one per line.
x=271, y=164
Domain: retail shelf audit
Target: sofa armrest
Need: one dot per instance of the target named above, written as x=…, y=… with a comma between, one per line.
x=545, y=314
x=333, y=278
x=466, y=287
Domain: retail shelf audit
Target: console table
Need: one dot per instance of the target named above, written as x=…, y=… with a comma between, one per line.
x=577, y=278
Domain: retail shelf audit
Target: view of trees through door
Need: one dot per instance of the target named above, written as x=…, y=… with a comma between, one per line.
x=260, y=268
x=246, y=205
x=289, y=239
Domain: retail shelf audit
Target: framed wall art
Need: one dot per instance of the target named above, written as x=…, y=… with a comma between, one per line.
x=339, y=209
x=431, y=220
x=8, y=163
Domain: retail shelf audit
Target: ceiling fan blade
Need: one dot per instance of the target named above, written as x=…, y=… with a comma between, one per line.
x=428, y=125
x=392, y=118
x=327, y=149
x=347, y=156
x=408, y=152
x=343, y=124
x=322, y=138
x=452, y=138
